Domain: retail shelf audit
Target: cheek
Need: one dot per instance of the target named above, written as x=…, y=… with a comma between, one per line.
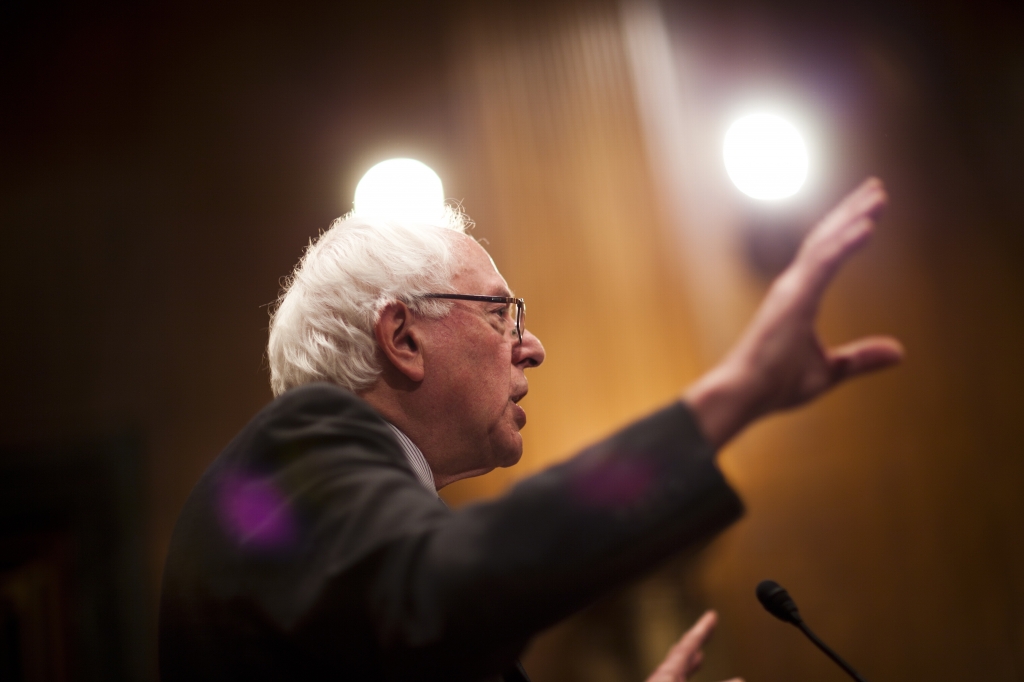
x=493, y=395
x=479, y=373
x=491, y=372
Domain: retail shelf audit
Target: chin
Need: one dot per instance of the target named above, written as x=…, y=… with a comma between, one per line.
x=509, y=454
x=511, y=460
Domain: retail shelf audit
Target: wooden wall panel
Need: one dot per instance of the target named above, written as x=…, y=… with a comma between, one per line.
x=564, y=201
x=891, y=509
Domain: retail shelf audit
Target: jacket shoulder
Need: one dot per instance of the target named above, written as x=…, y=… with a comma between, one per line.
x=320, y=398
x=310, y=418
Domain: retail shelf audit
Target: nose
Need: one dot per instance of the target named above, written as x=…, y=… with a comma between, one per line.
x=529, y=353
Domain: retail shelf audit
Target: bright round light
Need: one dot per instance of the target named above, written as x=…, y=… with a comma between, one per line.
x=400, y=189
x=765, y=156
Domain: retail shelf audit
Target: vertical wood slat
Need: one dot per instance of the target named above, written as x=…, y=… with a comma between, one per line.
x=565, y=201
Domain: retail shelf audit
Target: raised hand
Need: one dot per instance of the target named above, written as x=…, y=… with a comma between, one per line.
x=780, y=362
x=686, y=656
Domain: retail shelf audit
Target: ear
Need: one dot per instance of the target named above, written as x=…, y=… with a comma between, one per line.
x=398, y=338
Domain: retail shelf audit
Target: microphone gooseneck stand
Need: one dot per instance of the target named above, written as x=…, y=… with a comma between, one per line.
x=776, y=601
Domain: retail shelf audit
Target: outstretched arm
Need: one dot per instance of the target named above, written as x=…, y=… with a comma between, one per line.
x=780, y=362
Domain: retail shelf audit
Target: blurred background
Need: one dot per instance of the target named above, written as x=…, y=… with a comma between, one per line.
x=163, y=165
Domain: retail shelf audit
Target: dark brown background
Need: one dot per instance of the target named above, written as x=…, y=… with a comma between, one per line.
x=164, y=164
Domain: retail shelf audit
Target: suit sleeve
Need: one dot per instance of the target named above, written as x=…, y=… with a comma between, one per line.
x=461, y=593
x=327, y=553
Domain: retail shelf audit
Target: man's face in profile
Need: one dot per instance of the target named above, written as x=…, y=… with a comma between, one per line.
x=478, y=363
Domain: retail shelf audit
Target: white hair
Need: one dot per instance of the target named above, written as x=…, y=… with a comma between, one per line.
x=322, y=327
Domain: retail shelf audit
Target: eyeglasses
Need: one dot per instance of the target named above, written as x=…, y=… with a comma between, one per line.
x=507, y=300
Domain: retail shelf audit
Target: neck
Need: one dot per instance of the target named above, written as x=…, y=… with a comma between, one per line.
x=424, y=424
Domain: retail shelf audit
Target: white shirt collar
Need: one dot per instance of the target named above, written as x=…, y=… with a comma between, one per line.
x=416, y=459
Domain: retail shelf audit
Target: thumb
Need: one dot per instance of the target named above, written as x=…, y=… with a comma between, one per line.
x=862, y=356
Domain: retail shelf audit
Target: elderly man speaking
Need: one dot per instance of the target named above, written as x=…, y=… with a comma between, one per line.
x=315, y=546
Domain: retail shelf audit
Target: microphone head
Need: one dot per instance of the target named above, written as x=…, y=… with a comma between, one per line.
x=776, y=601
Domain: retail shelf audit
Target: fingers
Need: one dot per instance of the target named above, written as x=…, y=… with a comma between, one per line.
x=864, y=355
x=683, y=653
x=694, y=638
x=867, y=200
x=693, y=664
x=685, y=657
x=840, y=234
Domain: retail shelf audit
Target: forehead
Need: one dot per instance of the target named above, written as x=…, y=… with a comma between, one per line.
x=476, y=273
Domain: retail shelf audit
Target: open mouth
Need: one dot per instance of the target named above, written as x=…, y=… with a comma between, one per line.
x=519, y=412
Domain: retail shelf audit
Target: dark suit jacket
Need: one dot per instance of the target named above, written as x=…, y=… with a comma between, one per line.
x=309, y=551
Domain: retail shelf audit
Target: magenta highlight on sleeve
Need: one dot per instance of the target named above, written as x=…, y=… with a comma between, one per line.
x=254, y=512
x=614, y=481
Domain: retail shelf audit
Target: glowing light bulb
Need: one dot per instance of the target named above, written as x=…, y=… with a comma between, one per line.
x=400, y=189
x=765, y=157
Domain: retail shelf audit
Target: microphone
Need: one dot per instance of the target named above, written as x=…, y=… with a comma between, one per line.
x=776, y=601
